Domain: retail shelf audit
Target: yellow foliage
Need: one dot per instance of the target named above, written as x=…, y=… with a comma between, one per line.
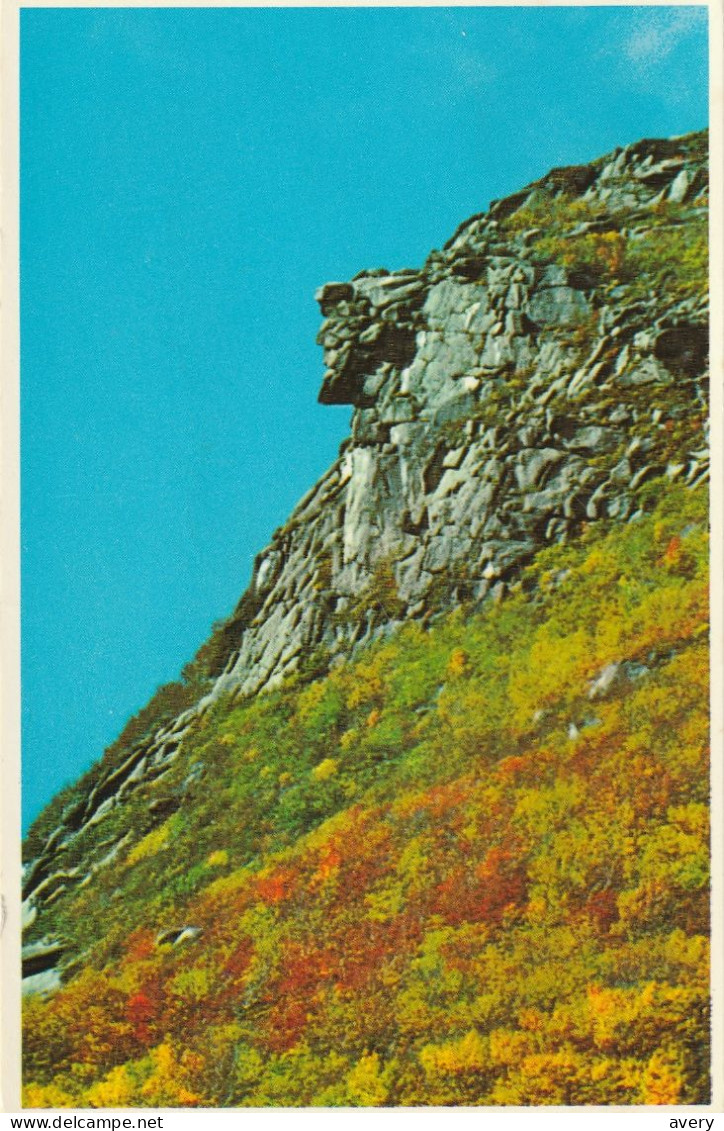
x=348, y=740
x=366, y=1082
x=414, y=861
x=662, y=1080
x=458, y=662
x=167, y=1084
x=609, y=1009
x=543, y=1078
x=217, y=859
x=468, y=1054
x=548, y=808
x=152, y=843
x=386, y=904
x=368, y=684
x=689, y=951
x=325, y=770
x=116, y=1090
x=248, y=1065
x=555, y=665
x=192, y=984
x=309, y=699
x=508, y=1047
x=47, y=1095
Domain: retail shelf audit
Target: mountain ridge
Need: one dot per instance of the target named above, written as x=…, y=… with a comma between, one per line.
x=424, y=822
x=527, y=381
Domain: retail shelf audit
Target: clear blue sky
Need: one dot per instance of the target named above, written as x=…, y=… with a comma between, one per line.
x=188, y=178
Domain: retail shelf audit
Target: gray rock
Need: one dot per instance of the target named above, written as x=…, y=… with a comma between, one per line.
x=680, y=187
x=331, y=294
x=45, y=983
x=37, y=958
x=177, y=935
x=590, y=438
x=604, y=681
x=532, y=463
x=559, y=306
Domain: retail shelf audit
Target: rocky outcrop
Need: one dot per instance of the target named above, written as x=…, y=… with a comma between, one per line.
x=40, y=972
x=497, y=405
x=505, y=394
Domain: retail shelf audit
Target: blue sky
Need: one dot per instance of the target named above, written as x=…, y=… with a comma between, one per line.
x=188, y=178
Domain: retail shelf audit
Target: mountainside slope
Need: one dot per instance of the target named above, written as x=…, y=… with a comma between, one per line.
x=481, y=747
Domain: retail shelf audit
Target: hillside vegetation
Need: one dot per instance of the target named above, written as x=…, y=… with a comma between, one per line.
x=469, y=866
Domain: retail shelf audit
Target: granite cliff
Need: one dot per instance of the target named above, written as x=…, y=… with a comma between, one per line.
x=532, y=378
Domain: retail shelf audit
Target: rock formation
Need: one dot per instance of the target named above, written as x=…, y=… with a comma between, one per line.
x=531, y=377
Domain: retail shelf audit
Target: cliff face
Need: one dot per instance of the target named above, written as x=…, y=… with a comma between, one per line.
x=531, y=378
x=499, y=402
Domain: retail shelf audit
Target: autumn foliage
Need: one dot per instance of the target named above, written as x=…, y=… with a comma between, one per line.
x=464, y=868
